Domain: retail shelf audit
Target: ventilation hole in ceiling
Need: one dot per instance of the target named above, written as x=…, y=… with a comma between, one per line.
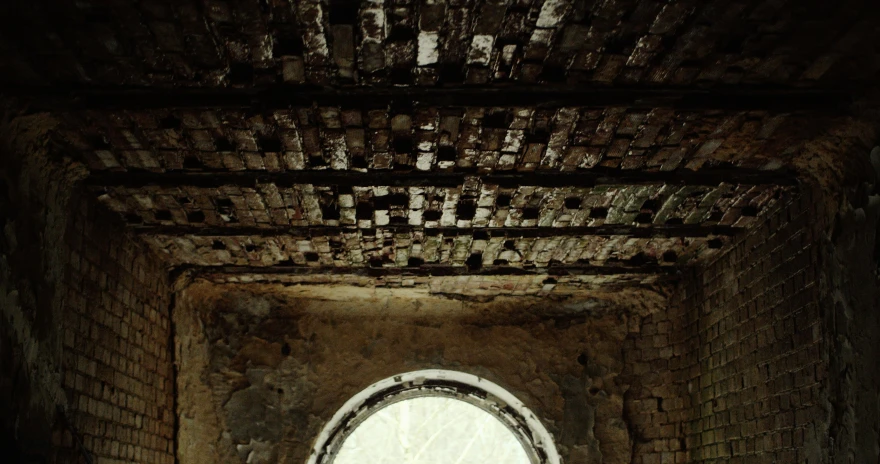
x=359, y=162
x=537, y=136
x=98, y=142
x=311, y=256
x=549, y=281
x=223, y=144
x=531, y=213
x=250, y=247
x=643, y=218
x=715, y=243
x=241, y=74
x=639, y=259
x=398, y=199
x=388, y=243
x=401, y=34
x=481, y=235
x=749, y=211
x=452, y=73
x=343, y=12
x=670, y=257
x=270, y=144
x=184, y=200
x=329, y=213
x=617, y=45
x=191, y=162
x=432, y=215
x=163, y=215
x=498, y=120
x=195, y=216
x=169, y=122
x=285, y=349
x=466, y=210
x=503, y=201
x=573, y=203
x=400, y=76
x=432, y=232
x=598, y=213
x=224, y=203
x=317, y=161
x=552, y=74
x=398, y=220
x=651, y=206
x=364, y=211
x=218, y=245
x=446, y=154
x=133, y=218
x=582, y=359
x=414, y=262
x=402, y=144
x=376, y=262
x=510, y=245
x=474, y=261
x=287, y=44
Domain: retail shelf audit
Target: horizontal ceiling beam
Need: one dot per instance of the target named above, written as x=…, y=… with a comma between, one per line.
x=648, y=231
x=435, y=270
x=586, y=178
x=774, y=99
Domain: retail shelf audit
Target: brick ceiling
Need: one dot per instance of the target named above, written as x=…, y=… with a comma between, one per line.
x=516, y=146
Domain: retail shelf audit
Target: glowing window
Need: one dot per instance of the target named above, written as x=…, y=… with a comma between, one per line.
x=434, y=417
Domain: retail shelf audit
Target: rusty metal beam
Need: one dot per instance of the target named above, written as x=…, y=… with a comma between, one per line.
x=645, y=231
x=584, y=178
x=742, y=98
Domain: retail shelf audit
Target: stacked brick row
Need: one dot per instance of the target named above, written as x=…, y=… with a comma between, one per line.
x=383, y=42
x=474, y=204
x=390, y=249
x=734, y=371
x=476, y=139
x=116, y=361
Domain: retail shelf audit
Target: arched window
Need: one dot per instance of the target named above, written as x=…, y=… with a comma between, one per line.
x=434, y=416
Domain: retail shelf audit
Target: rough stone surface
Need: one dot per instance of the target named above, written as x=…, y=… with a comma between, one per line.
x=269, y=365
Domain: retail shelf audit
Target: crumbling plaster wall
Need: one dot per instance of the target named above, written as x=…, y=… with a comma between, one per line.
x=264, y=367
x=85, y=364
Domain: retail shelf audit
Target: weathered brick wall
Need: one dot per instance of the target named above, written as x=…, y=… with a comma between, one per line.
x=85, y=319
x=734, y=370
x=116, y=361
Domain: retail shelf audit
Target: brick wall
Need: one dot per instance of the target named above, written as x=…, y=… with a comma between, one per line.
x=85, y=319
x=116, y=361
x=734, y=370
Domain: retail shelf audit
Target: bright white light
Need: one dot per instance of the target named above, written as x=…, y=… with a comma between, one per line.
x=431, y=430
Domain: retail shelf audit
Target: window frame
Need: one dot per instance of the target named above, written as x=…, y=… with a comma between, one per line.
x=488, y=396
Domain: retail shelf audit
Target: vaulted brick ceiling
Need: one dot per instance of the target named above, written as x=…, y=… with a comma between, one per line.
x=541, y=145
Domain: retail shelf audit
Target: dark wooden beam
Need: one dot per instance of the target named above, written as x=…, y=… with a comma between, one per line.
x=583, y=178
x=434, y=270
x=647, y=231
x=742, y=98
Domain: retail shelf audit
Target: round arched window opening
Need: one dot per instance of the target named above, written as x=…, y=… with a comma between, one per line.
x=412, y=417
